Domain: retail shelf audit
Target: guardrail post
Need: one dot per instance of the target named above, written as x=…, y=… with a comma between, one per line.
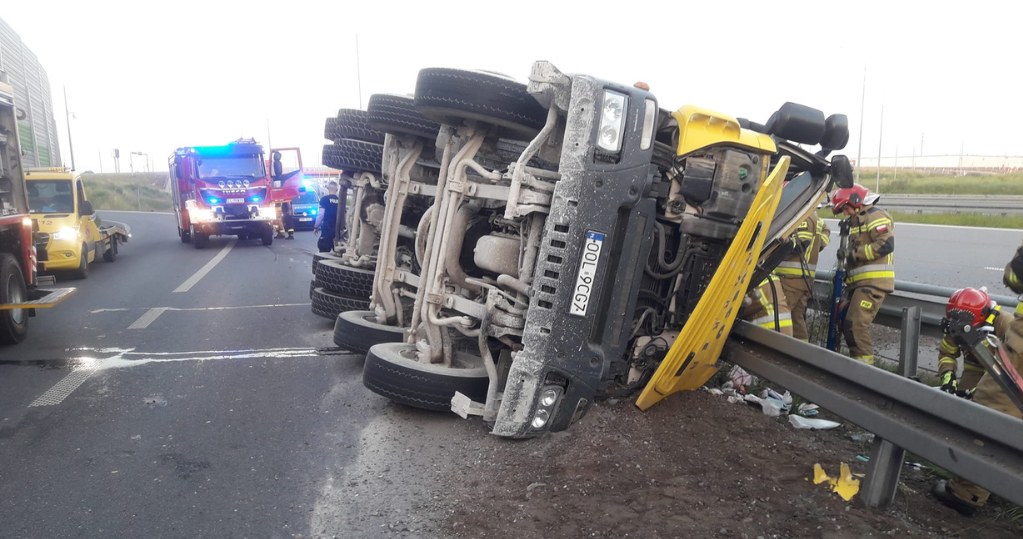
x=886, y=458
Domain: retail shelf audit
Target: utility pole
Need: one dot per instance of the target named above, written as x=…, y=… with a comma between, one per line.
x=880, y=134
x=67, y=117
x=859, y=147
x=358, y=69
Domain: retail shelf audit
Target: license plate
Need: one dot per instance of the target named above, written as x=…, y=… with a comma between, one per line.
x=235, y=200
x=587, y=273
x=304, y=219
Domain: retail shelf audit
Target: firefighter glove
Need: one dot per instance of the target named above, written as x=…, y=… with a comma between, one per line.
x=949, y=383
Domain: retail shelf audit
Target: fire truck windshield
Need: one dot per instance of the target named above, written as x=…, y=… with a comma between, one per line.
x=235, y=166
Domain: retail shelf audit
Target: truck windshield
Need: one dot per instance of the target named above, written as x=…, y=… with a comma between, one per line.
x=308, y=197
x=50, y=196
x=234, y=166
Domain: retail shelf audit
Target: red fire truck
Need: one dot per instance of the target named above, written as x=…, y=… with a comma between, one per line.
x=227, y=190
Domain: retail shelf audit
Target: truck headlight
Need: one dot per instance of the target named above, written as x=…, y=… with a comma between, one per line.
x=65, y=233
x=201, y=215
x=545, y=407
x=612, y=121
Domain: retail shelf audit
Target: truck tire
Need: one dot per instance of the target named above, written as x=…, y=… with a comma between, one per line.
x=391, y=371
x=267, y=236
x=450, y=96
x=352, y=124
x=344, y=280
x=185, y=235
x=111, y=253
x=330, y=305
x=357, y=332
x=83, y=265
x=200, y=239
x=13, y=322
x=323, y=256
x=351, y=155
x=397, y=114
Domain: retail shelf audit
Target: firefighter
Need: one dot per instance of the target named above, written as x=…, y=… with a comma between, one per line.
x=765, y=306
x=958, y=493
x=798, y=270
x=870, y=265
x=985, y=317
x=287, y=223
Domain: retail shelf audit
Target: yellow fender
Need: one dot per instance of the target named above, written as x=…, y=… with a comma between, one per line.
x=700, y=128
x=693, y=357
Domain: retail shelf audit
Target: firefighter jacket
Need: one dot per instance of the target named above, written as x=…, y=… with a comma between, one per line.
x=811, y=237
x=1013, y=277
x=762, y=304
x=949, y=349
x=871, y=257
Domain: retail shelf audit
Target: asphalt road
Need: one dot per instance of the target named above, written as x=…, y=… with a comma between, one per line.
x=157, y=404
x=173, y=396
x=948, y=256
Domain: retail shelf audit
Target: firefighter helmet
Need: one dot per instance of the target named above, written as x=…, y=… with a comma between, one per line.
x=854, y=196
x=970, y=305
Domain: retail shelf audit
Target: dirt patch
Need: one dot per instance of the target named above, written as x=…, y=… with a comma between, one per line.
x=692, y=466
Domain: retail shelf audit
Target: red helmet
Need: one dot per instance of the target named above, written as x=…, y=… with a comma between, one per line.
x=970, y=304
x=853, y=196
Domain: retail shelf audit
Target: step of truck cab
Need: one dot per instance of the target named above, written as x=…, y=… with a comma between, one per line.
x=41, y=299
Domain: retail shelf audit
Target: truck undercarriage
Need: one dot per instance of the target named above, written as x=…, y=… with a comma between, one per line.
x=542, y=246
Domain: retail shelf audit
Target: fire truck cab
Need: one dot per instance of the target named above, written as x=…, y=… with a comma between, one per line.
x=222, y=190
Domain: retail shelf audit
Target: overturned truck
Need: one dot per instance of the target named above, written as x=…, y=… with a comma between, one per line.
x=549, y=244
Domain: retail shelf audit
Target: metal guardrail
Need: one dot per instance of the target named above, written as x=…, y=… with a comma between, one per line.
x=989, y=205
x=930, y=299
x=966, y=438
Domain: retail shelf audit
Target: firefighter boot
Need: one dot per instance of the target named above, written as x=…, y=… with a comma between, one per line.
x=944, y=495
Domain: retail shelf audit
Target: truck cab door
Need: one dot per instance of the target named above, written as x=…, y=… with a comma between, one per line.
x=286, y=173
x=86, y=216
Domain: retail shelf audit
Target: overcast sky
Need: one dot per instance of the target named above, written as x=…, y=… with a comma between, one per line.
x=151, y=76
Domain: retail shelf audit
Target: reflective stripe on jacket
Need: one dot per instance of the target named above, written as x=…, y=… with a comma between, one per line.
x=765, y=297
x=811, y=237
x=872, y=245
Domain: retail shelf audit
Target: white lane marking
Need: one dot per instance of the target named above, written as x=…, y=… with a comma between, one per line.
x=994, y=269
x=187, y=285
x=60, y=391
x=147, y=318
x=126, y=309
x=89, y=363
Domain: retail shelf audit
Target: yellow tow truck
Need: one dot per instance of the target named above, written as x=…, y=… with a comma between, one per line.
x=70, y=234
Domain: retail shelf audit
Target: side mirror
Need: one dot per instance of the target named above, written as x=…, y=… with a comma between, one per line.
x=836, y=132
x=85, y=208
x=841, y=171
x=799, y=123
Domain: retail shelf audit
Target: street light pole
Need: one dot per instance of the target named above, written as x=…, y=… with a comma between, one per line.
x=67, y=116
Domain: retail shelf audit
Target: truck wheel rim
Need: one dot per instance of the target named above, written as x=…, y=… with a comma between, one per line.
x=15, y=295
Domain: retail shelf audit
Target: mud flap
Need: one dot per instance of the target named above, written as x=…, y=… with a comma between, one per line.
x=692, y=359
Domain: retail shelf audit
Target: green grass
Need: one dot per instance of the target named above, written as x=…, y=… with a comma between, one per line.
x=139, y=191
x=908, y=182
x=951, y=219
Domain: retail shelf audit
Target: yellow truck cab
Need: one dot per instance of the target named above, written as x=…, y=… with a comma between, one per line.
x=74, y=237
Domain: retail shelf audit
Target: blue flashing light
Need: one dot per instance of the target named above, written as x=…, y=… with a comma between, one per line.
x=257, y=198
x=213, y=200
x=312, y=211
